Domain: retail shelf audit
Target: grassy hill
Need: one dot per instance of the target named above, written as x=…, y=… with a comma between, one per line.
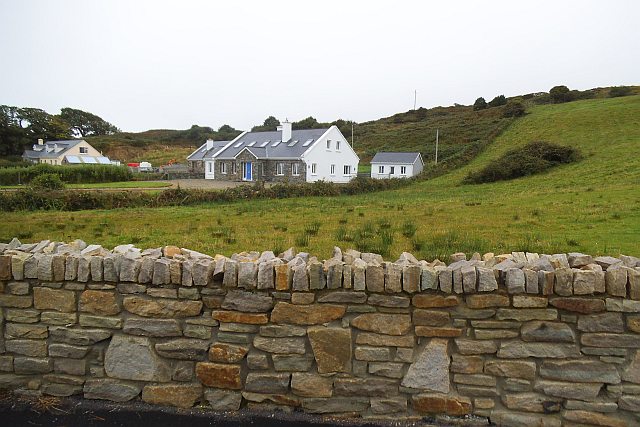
x=591, y=206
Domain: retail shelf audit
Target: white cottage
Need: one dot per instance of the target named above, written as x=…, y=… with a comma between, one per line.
x=396, y=165
x=285, y=155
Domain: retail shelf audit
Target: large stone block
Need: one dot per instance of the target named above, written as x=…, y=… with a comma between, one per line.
x=26, y=331
x=569, y=390
x=547, y=331
x=331, y=348
x=247, y=301
x=242, y=318
x=368, y=338
x=605, y=322
x=99, y=302
x=223, y=400
x=260, y=382
x=152, y=327
x=163, y=308
x=311, y=385
x=441, y=404
x=487, y=301
x=430, y=371
x=280, y=345
x=375, y=278
x=434, y=301
x=519, y=419
x=610, y=340
x=335, y=405
x=389, y=324
x=180, y=395
x=519, y=349
x=78, y=336
x=54, y=299
x=219, y=375
x=110, y=389
x=360, y=387
x=511, y=369
x=579, y=305
x=581, y=371
x=306, y=314
x=32, y=348
x=227, y=353
x=392, y=277
x=133, y=358
x=532, y=402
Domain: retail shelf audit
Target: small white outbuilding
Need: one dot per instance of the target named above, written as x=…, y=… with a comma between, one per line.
x=396, y=165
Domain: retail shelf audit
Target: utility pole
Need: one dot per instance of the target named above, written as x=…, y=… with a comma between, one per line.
x=352, y=140
x=437, y=137
x=415, y=98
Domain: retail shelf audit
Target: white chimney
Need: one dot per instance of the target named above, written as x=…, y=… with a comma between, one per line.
x=40, y=141
x=285, y=128
x=209, y=144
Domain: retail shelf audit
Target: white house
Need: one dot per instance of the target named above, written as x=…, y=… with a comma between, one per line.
x=285, y=155
x=396, y=165
x=68, y=152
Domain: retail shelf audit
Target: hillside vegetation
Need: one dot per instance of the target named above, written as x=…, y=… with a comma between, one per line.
x=592, y=205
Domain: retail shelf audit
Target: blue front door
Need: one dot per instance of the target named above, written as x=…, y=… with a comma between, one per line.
x=246, y=171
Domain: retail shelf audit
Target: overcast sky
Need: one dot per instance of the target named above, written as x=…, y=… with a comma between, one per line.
x=159, y=64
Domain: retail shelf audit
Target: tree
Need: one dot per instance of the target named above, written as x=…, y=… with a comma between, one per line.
x=497, y=101
x=480, y=104
x=560, y=94
x=513, y=109
x=84, y=124
x=271, y=123
x=308, y=123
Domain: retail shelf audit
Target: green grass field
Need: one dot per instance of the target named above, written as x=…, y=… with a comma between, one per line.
x=107, y=185
x=591, y=206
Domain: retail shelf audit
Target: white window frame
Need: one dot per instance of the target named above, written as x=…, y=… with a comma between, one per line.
x=223, y=167
x=333, y=169
x=337, y=145
x=346, y=169
x=392, y=170
x=328, y=144
x=295, y=169
x=314, y=168
x=280, y=169
x=84, y=150
x=380, y=169
x=234, y=168
x=209, y=166
x=403, y=170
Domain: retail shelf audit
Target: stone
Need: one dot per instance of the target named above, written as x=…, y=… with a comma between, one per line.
x=164, y=308
x=469, y=278
x=516, y=419
x=619, y=305
x=27, y=331
x=532, y=402
x=292, y=363
x=445, y=332
x=525, y=301
x=70, y=367
x=547, y=331
x=333, y=273
x=386, y=369
x=334, y=405
x=99, y=302
x=591, y=406
x=610, y=340
x=247, y=275
x=466, y=364
x=468, y=346
x=223, y=400
x=78, y=336
x=266, y=275
x=32, y=365
x=368, y=338
x=389, y=301
x=331, y=348
x=18, y=288
x=60, y=390
x=569, y=390
x=219, y=375
x=32, y=348
x=68, y=351
x=300, y=277
x=511, y=369
x=523, y=315
x=462, y=312
x=257, y=361
x=429, y=279
x=434, y=301
x=579, y=305
x=374, y=278
x=302, y=298
x=605, y=322
x=230, y=275
x=593, y=418
x=629, y=403
x=445, y=279
x=317, y=279
x=183, y=349
x=487, y=301
x=358, y=271
x=280, y=345
x=96, y=265
x=495, y=324
x=129, y=269
x=306, y=315
x=430, y=317
x=237, y=317
x=632, y=372
x=132, y=358
x=616, y=281
x=277, y=331
x=578, y=260
x=89, y=321
x=371, y=354
x=515, y=281
x=389, y=324
x=492, y=334
x=441, y=404
x=180, y=395
x=342, y=297
x=580, y=371
x=247, y=302
x=486, y=279
x=197, y=331
x=360, y=387
x=227, y=353
x=411, y=278
x=54, y=299
x=152, y=327
x=519, y=349
x=430, y=371
x=584, y=282
x=392, y=277
x=267, y=382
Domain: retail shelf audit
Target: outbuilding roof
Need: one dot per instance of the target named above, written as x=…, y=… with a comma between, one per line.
x=395, y=157
x=202, y=152
x=269, y=144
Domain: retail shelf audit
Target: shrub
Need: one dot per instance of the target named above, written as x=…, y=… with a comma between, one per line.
x=617, y=91
x=560, y=94
x=535, y=157
x=68, y=174
x=480, y=104
x=498, y=101
x=47, y=181
x=513, y=109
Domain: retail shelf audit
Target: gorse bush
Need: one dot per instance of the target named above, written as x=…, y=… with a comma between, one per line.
x=68, y=174
x=47, y=181
x=618, y=91
x=530, y=159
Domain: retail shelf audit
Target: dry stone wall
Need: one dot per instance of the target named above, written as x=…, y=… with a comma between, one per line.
x=515, y=339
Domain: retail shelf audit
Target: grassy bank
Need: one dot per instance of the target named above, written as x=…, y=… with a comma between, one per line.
x=591, y=206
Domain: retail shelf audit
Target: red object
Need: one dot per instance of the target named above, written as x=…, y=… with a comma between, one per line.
x=133, y=165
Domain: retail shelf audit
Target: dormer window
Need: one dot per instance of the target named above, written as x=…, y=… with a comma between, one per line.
x=84, y=150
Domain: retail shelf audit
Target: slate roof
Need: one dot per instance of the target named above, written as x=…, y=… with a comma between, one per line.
x=62, y=147
x=395, y=157
x=267, y=145
x=201, y=153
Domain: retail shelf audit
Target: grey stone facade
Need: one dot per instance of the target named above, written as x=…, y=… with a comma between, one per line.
x=262, y=169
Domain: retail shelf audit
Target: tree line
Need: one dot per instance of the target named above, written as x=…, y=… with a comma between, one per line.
x=20, y=127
